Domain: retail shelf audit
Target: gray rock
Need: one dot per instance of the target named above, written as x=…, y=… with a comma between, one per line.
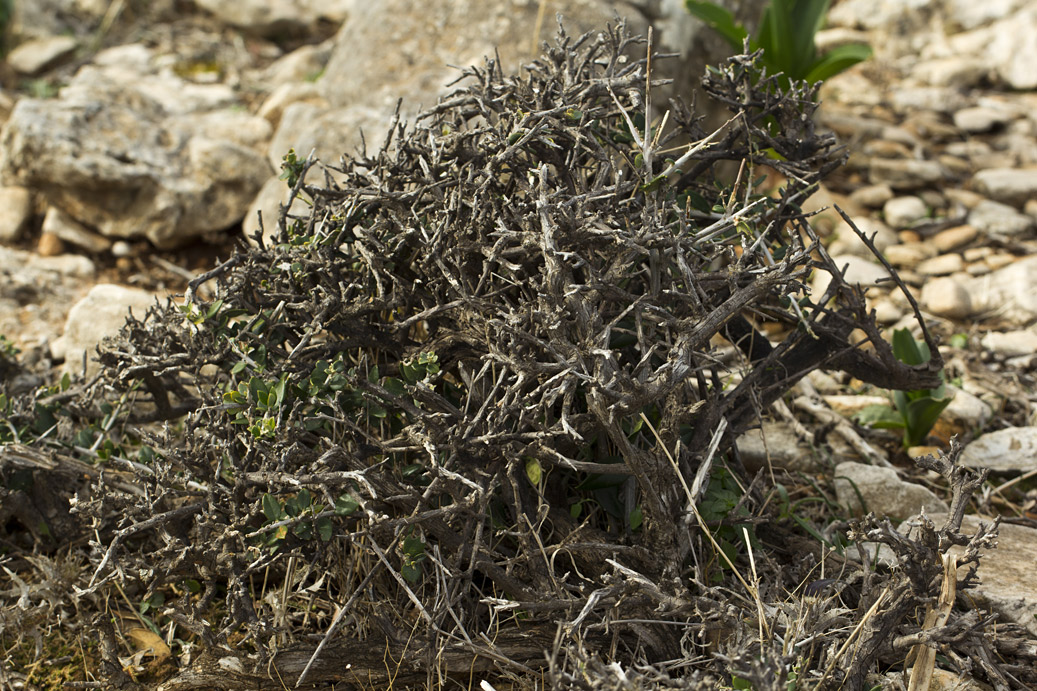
x=969, y=14
x=848, y=242
x=1009, y=46
x=775, y=445
x=978, y=119
x=115, y=159
x=67, y=229
x=905, y=174
x=1011, y=343
x=1005, y=450
x=938, y=99
x=909, y=254
x=942, y=265
x=15, y=212
x=872, y=196
x=98, y=315
x=271, y=17
x=903, y=212
x=856, y=270
x=958, y=72
x=995, y=218
x=1005, y=574
x=966, y=411
x=883, y=492
x=38, y=54
x=1008, y=185
x=947, y=297
x=953, y=238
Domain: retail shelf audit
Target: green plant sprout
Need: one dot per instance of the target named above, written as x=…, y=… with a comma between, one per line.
x=786, y=36
x=914, y=412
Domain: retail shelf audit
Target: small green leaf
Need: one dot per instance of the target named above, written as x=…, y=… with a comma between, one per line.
x=324, y=529
x=271, y=508
x=533, y=471
x=346, y=504
x=636, y=518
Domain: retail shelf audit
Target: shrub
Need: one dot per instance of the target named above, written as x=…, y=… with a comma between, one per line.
x=472, y=389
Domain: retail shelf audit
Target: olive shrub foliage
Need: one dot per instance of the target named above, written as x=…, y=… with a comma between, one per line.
x=482, y=382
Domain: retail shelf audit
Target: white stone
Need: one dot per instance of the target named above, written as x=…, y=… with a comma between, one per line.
x=1014, y=186
x=15, y=212
x=100, y=314
x=909, y=254
x=1011, y=343
x=1013, y=449
x=995, y=218
x=270, y=17
x=873, y=196
x=953, y=238
x=903, y=212
x=776, y=445
x=883, y=492
x=942, y=265
x=132, y=168
x=38, y=54
x=946, y=297
x=965, y=410
x=905, y=174
x=955, y=71
x=848, y=242
x=978, y=119
x=67, y=229
x=856, y=270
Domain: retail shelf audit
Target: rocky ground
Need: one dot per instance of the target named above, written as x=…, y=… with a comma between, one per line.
x=137, y=139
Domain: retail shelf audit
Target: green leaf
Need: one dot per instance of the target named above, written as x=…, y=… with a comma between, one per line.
x=324, y=529
x=304, y=499
x=636, y=518
x=879, y=416
x=920, y=418
x=720, y=20
x=271, y=508
x=837, y=60
x=238, y=367
x=533, y=471
x=908, y=350
x=346, y=504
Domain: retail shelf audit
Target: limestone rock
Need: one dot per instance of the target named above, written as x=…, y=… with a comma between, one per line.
x=903, y=212
x=38, y=54
x=62, y=226
x=947, y=297
x=269, y=17
x=1013, y=186
x=15, y=211
x=98, y=315
x=114, y=158
x=883, y=492
x=995, y=218
x=905, y=174
x=1013, y=449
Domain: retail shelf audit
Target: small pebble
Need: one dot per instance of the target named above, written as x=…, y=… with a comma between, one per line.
x=872, y=196
x=50, y=245
x=941, y=265
x=946, y=297
x=908, y=254
x=953, y=238
x=121, y=248
x=974, y=254
x=903, y=212
x=998, y=261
